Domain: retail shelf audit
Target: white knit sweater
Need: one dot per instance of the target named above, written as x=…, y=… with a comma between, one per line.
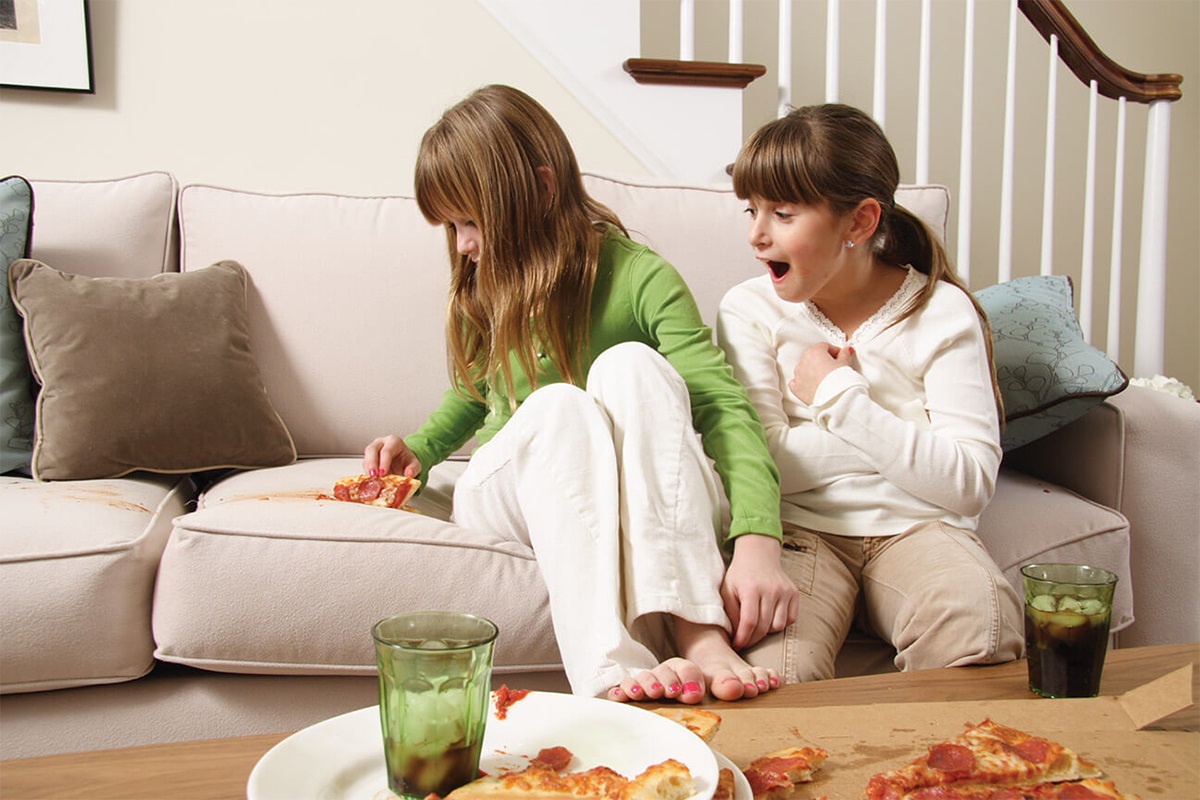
x=910, y=434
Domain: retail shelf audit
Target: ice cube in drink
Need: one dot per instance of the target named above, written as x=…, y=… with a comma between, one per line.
x=1065, y=641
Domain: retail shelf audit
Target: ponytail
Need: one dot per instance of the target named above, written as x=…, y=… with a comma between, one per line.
x=906, y=239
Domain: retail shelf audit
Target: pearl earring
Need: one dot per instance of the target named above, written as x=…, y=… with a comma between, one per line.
x=849, y=244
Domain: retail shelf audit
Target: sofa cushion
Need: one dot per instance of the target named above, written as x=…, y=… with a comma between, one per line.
x=144, y=374
x=266, y=577
x=123, y=227
x=16, y=382
x=346, y=307
x=1030, y=521
x=77, y=566
x=711, y=250
x=1047, y=372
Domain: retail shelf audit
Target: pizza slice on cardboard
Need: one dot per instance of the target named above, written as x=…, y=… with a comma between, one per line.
x=990, y=761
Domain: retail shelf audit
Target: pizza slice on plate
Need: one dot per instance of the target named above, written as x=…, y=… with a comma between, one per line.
x=387, y=491
x=667, y=780
x=987, y=753
x=773, y=776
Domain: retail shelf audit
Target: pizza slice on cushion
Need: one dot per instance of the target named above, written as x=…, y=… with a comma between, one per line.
x=773, y=776
x=387, y=491
x=987, y=753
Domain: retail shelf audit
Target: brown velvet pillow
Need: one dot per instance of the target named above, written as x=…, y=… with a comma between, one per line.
x=148, y=374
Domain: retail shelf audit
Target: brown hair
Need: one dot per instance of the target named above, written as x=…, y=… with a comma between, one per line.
x=837, y=156
x=531, y=288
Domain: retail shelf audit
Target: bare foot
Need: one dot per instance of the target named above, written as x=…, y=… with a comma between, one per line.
x=708, y=663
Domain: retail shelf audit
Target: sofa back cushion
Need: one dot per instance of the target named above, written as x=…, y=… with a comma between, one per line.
x=348, y=294
x=346, y=306
x=120, y=228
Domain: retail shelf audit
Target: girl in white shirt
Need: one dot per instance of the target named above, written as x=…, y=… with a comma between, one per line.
x=869, y=364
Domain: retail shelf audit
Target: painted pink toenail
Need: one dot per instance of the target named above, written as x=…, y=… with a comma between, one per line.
x=656, y=686
x=774, y=682
x=635, y=690
x=674, y=688
x=690, y=687
x=762, y=684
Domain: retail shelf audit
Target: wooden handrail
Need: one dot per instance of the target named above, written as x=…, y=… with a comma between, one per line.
x=693, y=73
x=1079, y=52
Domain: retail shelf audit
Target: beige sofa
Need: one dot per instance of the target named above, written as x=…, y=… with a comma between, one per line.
x=159, y=607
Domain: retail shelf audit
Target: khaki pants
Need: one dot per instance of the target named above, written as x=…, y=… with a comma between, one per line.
x=933, y=593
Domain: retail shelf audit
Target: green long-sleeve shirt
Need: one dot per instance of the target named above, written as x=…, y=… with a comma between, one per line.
x=639, y=297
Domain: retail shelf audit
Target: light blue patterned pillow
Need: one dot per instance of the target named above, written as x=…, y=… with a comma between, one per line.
x=1048, y=374
x=16, y=381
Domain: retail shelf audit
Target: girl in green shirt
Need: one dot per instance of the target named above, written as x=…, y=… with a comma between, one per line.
x=581, y=366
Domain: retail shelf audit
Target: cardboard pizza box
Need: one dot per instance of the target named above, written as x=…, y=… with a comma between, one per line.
x=867, y=739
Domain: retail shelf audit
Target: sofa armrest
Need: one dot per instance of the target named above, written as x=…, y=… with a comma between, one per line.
x=1139, y=453
x=1086, y=456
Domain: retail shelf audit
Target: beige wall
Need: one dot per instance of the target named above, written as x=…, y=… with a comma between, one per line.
x=278, y=95
x=314, y=95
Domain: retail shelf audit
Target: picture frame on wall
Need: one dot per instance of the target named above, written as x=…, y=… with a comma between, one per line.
x=46, y=44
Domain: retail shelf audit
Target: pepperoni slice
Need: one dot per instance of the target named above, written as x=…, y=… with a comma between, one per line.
x=951, y=758
x=369, y=489
x=341, y=492
x=556, y=758
x=1034, y=750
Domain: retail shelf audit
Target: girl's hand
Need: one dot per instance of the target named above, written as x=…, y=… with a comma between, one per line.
x=815, y=363
x=759, y=596
x=389, y=454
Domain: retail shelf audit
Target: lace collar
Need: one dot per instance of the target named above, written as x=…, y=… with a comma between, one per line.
x=872, y=325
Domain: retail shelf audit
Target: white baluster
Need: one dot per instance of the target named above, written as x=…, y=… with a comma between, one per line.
x=923, y=99
x=737, y=29
x=1048, y=179
x=687, y=30
x=1087, y=267
x=1004, y=269
x=1152, y=264
x=880, y=101
x=966, y=149
x=1118, y=221
x=785, y=56
x=832, y=49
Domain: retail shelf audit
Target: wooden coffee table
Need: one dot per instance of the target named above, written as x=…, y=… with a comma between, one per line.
x=219, y=768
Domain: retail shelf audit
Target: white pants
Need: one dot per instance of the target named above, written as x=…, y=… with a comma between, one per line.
x=612, y=490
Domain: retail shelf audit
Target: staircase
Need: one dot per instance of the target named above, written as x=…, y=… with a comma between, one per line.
x=985, y=115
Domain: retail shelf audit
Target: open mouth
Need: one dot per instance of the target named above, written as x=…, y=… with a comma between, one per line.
x=778, y=269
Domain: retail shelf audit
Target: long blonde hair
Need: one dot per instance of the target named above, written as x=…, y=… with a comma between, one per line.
x=532, y=286
x=837, y=156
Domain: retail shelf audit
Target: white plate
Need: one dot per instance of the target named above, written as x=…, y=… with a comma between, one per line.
x=741, y=786
x=342, y=758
